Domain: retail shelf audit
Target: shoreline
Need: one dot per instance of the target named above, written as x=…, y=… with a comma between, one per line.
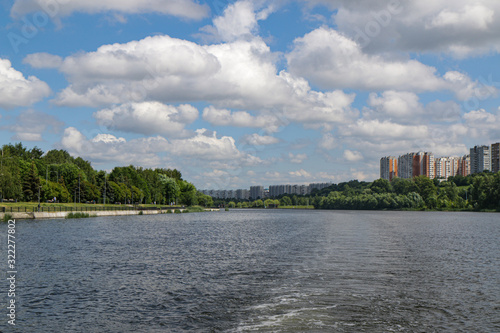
x=64, y=215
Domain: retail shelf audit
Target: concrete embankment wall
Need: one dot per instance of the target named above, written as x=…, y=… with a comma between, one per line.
x=62, y=215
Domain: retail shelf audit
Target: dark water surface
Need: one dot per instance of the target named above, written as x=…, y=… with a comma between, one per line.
x=258, y=271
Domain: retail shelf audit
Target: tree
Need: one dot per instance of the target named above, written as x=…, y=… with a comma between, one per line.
x=286, y=201
x=401, y=185
x=114, y=192
x=187, y=193
x=57, y=157
x=10, y=186
x=381, y=186
x=171, y=190
x=426, y=188
x=204, y=200
x=448, y=190
x=52, y=190
x=86, y=167
x=31, y=184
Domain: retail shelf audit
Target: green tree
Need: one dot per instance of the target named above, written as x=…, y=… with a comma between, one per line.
x=171, y=189
x=57, y=157
x=31, y=184
x=10, y=186
x=86, y=167
x=381, y=186
x=426, y=188
x=269, y=203
x=204, y=200
x=448, y=190
x=286, y=201
x=187, y=193
x=401, y=186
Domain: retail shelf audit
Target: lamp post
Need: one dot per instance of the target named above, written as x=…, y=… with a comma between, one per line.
x=39, y=187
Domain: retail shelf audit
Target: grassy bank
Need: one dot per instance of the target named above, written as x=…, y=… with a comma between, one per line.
x=79, y=215
x=72, y=204
x=296, y=207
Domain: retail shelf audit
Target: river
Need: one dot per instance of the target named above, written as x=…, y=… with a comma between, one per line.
x=257, y=271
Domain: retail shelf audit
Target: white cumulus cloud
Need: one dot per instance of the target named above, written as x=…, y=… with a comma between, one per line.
x=181, y=8
x=148, y=118
x=16, y=90
x=353, y=156
x=43, y=60
x=204, y=148
x=461, y=28
x=259, y=140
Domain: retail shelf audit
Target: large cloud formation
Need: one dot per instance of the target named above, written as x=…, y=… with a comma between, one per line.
x=16, y=90
x=457, y=27
x=334, y=61
x=182, y=8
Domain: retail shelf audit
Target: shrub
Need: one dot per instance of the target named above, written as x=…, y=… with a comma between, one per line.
x=7, y=217
x=78, y=215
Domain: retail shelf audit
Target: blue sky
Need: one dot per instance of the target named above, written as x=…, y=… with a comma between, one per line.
x=241, y=93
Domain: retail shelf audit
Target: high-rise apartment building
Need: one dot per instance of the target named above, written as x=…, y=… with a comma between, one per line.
x=446, y=167
x=242, y=194
x=416, y=164
x=405, y=166
x=495, y=157
x=464, y=166
x=480, y=159
x=318, y=186
x=388, y=167
x=427, y=165
x=256, y=192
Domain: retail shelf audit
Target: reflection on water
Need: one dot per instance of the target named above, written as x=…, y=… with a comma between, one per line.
x=257, y=270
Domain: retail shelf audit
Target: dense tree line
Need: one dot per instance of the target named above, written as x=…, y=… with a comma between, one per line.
x=30, y=175
x=475, y=192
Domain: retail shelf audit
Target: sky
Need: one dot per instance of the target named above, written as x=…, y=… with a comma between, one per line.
x=243, y=93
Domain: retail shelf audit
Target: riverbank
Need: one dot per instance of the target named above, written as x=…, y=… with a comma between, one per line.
x=63, y=215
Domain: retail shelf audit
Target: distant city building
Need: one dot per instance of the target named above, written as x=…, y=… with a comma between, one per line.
x=256, y=192
x=318, y=186
x=464, y=166
x=446, y=167
x=277, y=190
x=405, y=166
x=242, y=194
x=262, y=193
x=416, y=164
x=495, y=157
x=388, y=167
x=480, y=159
x=425, y=165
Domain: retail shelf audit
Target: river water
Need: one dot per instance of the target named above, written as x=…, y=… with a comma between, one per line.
x=257, y=271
